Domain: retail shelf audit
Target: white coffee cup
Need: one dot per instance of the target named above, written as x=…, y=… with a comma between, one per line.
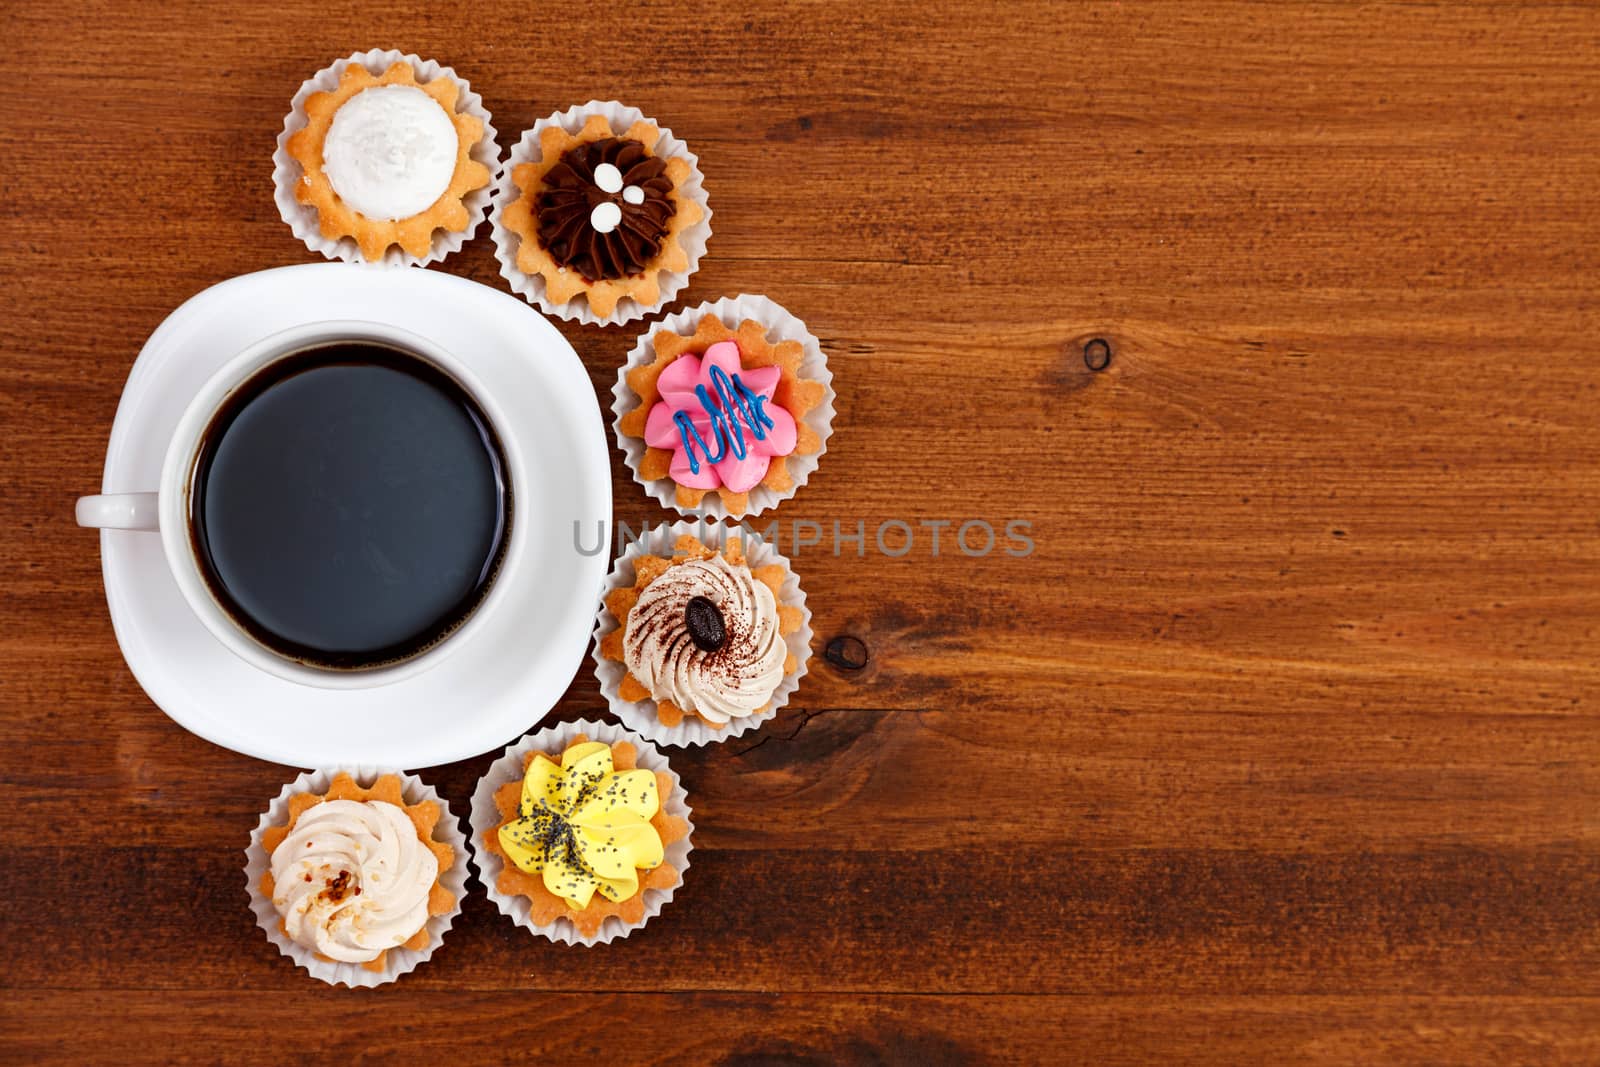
x=166, y=510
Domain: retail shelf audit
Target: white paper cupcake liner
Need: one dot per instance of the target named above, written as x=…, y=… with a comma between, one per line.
x=397, y=961
x=286, y=171
x=781, y=326
x=486, y=820
x=640, y=716
x=531, y=287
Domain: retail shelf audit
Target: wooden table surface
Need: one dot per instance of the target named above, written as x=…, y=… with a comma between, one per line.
x=1280, y=746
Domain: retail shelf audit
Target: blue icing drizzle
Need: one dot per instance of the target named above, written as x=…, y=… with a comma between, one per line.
x=737, y=404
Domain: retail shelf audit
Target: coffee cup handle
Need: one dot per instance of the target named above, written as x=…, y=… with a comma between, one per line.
x=119, y=511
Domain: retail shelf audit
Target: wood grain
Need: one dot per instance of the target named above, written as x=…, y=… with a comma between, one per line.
x=1282, y=744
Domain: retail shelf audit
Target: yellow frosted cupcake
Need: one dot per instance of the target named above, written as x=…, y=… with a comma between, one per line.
x=581, y=833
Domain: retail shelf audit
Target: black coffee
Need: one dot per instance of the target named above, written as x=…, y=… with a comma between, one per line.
x=350, y=505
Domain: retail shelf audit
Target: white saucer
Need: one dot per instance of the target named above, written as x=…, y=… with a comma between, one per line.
x=519, y=662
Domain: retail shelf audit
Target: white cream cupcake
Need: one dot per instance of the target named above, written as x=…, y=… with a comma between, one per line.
x=385, y=158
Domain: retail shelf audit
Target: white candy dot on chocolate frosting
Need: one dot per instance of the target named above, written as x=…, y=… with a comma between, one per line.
x=633, y=194
x=605, y=217
x=608, y=178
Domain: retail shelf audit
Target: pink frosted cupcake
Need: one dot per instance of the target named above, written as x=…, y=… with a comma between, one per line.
x=723, y=410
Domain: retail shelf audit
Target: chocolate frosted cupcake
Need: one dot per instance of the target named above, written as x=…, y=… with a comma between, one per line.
x=605, y=209
x=703, y=634
x=600, y=215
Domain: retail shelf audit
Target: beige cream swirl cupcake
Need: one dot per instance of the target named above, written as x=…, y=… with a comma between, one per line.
x=352, y=880
x=701, y=636
x=705, y=636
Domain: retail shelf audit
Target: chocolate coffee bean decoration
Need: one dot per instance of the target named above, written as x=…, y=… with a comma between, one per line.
x=706, y=628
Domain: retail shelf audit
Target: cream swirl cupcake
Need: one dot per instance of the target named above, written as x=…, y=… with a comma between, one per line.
x=697, y=640
x=357, y=883
x=352, y=879
x=705, y=637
